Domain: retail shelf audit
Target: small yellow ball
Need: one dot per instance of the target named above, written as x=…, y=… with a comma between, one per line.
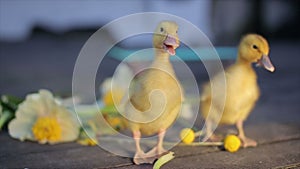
x=232, y=143
x=187, y=135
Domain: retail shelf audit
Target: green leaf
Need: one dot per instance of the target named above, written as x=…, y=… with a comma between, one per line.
x=1, y=109
x=5, y=117
x=163, y=160
x=109, y=109
x=10, y=103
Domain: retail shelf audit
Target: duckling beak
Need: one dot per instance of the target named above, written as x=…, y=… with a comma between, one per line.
x=170, y=44
x=266, y=63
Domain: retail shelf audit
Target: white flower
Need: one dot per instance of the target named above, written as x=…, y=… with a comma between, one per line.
x=114, y=88
x=40, y=118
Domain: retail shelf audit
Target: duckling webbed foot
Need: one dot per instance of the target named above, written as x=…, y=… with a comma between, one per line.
x=247, y=142
x=158, y=150
x=215, y=138
x=140, y=157
x=208, y=134
x=143, y=158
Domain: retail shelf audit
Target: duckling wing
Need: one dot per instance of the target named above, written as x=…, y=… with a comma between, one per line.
x=139, y=92
x=153, y=94
x=242, y=93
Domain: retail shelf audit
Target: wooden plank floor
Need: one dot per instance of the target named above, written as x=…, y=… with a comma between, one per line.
x=274, y=123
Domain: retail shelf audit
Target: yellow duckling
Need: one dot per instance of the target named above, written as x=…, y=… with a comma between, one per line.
x=242, y=90
x=155, y=98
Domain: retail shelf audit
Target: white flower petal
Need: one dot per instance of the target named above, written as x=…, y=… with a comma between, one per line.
x=68, y=133
x=21, y=129
x=105, y=86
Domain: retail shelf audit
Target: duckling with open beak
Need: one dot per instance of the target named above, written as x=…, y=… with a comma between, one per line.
x=155, y=98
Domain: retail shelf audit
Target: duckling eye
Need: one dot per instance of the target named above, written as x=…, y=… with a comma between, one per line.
x=176, y=31
x=254, y=47
x=161, y=29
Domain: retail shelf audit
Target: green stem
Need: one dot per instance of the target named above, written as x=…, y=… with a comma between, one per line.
x=4, y=118
x=107, y=138
x=202, y=144
x=198, y=133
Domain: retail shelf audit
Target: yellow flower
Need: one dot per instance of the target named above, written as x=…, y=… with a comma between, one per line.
x=113, y=97
x=40, y=118
x=113, y=88
x=88, y=142
x=232, y=143
x=87, y=137
x=187, y=135
x=117, y=122
x=46, y=128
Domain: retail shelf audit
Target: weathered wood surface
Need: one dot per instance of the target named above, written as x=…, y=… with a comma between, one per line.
x=274, y=123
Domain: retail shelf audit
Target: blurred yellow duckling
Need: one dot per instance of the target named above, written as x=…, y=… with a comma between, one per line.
x=242, y=90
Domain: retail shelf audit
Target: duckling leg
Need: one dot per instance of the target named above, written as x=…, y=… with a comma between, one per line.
x=158, y=150
x=140, y=157
x=209, y=135
x=247, y=142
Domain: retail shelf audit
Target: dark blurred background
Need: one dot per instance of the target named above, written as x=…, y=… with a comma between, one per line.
x=40, y=40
